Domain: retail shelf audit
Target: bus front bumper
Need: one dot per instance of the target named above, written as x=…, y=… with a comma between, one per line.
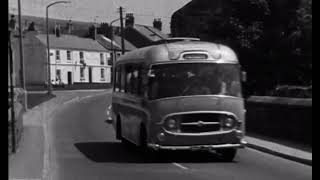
x=242, y=144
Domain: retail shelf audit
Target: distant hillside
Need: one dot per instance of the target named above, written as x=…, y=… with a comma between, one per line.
x=78, y=28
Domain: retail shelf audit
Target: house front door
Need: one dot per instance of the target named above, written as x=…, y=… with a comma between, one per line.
x=69, y=77
x=90, y=74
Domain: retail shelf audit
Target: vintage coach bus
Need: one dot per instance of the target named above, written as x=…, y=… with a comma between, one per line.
x=184, y=95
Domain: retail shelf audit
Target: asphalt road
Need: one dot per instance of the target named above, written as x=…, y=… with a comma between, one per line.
x=83, y=147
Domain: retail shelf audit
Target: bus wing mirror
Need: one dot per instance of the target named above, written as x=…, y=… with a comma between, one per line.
x=151, y=74
x=244, y=76
x=109, y=121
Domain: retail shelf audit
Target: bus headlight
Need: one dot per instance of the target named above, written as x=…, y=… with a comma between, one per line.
x=172, y=124
x=228, y=122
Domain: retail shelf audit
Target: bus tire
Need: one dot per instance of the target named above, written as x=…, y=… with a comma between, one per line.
x=143, y=138
x=118, y=129
x=227, y=154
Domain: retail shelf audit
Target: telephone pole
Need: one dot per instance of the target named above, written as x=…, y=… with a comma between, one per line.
x=22, y=78
x=122, y=31
x=12, y=122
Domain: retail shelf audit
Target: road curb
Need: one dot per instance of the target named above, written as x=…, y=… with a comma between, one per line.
x=280, y=154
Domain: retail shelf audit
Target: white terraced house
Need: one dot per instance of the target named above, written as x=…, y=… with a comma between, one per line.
x=77, y=60
x=73, y=60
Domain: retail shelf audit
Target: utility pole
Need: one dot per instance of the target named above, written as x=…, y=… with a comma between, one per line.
x=13, y=123
x=122, y=31
x=22, y=79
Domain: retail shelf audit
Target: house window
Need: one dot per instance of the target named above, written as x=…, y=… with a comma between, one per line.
x=57, y=55
x=110, y=60
x=101, y=59
x=81, y=73
x=81, y=56
x=102, y=73
x=69, y=55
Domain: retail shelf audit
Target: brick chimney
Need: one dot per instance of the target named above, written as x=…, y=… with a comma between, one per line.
x=129, y=20
x=69, y=27
x=57, y=30
x=157, y=23
x=93, y=32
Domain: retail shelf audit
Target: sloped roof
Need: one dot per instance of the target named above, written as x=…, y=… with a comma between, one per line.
x=106, y=42
x=71, y=42
x=128, y=46
x=150, y=32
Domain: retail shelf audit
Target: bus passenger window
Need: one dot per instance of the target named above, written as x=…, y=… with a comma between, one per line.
x=117, y=79
x=135, y=81
x=122, y=78
x=128, y=83
x=139, y=80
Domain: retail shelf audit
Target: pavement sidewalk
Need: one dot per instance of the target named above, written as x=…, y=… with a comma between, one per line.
x=29, y=160
x=295, y=152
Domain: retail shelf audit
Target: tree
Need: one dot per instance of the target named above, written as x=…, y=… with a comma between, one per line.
x=273, y=38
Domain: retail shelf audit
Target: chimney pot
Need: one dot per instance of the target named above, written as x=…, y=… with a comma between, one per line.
x=157, y=23
x=57, y=31
x=129, y=21
x=69, y=26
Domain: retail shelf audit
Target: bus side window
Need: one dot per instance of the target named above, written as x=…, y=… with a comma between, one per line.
x=117, y=79
x=128, y=78
x=135, y=81
x=144, y=83
x=139, y=82
x=122, y=78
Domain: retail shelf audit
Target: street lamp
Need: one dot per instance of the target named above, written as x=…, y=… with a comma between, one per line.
x=112, y=50
x=48, y=46
x=112, y=38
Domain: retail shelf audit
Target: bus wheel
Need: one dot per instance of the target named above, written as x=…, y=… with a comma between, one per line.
x=143, y=139
x=119, y=134
x=118, y=129
x=227, y=154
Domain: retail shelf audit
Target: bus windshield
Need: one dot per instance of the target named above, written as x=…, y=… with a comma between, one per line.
x=188, y=79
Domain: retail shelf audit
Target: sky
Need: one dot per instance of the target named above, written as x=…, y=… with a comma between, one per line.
x=103, y=10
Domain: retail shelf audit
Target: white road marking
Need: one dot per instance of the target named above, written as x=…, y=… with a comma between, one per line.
x=86, y=97
x=46, y=158
x=82, y=90
x=72, y=100
x=180, y=166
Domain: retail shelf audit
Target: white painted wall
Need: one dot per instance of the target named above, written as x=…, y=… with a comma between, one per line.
x=92, y=59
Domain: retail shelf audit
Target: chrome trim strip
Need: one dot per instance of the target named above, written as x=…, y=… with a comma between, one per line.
x=195, y=147
x=198, y=112
x=191, y=96
x=203, y=123
x=199, y=134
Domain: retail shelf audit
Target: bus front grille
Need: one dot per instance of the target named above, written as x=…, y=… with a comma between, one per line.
x=200, y=123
